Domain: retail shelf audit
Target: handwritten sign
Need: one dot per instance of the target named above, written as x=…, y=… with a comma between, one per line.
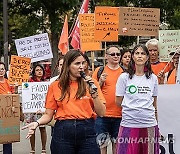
x=9, y=118
x=36, y=47
x=139, y=21
x=169, y=41
x=87, y=33
x=33, y=96
x=106, y=23
x=19, y=70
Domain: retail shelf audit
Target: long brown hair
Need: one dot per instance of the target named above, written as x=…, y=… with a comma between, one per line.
x=131, y=68
x=64, y=78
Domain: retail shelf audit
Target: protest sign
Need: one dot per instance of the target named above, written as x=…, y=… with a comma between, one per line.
x=87, y=33
x=169, y=118
x=106, y=23
x=36, y=47
x=19, y=70
x=139, y=21
x=169, y=41
x=9, y=118
x=33, y=96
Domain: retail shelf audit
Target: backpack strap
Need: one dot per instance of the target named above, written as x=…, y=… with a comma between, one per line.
x=100, y=71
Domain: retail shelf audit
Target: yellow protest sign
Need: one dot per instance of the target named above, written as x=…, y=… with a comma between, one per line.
x=106, y=23
x=87, y=33
x=9, y=118
x=139, y=21
x=19, y=70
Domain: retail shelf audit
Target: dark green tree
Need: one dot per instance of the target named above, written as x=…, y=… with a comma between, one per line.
x=29, y=17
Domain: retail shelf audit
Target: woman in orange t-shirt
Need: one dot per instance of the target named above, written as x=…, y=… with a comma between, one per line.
x=5, y=89
x=75, y=105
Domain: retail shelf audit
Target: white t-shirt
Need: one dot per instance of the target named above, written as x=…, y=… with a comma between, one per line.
x=137, y=105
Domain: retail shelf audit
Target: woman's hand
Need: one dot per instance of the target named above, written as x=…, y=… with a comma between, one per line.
x=32, y=128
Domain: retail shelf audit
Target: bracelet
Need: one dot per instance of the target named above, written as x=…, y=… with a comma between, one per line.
x=38, y=123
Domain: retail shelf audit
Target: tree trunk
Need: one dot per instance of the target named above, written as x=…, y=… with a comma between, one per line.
x=54, y=42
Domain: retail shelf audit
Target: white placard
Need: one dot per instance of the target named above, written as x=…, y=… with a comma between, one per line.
x=33, y=96
x=178, y=73
x=169, y=118
x=36, y=47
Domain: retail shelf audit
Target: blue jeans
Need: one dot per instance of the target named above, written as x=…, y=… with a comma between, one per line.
x=108, y=126
x=7, y=148
x=74, y=137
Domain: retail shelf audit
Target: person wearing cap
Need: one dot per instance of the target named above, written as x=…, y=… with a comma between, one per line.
x=156, y=65
x=172, y=74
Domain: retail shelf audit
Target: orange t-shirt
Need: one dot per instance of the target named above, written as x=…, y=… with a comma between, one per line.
x=156, y=68
x=5, y=88
x=172, y=78
x=82, y=108
x=108, y=90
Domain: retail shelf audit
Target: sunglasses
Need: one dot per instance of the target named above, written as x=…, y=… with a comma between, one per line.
x=114, y=54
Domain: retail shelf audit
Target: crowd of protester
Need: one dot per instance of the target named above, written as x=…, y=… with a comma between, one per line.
x=90, y=109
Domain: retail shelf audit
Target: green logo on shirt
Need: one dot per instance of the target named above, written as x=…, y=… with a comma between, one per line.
x=132, y=89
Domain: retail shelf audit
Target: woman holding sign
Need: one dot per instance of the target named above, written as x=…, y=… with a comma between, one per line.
x=136, y=92
x=76, y=104
x=38, y=74
x=5, y=88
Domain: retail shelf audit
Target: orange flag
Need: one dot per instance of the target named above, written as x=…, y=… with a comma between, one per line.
x=63, y=41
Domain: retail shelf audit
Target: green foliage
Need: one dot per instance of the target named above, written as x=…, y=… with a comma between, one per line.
x=1, y=28
x=29, y=17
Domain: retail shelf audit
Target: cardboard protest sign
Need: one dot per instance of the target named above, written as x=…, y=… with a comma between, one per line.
x=9, y=118
x=33, y=96
x=19, y=70
x=169, y=41
x=106, y=23
x=36, y=47
x=87, y=33
x=139, y=21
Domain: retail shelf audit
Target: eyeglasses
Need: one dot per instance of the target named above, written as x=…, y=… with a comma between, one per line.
x=114, y=54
